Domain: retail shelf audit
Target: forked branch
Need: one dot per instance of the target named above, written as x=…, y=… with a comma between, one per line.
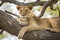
x=44, y=8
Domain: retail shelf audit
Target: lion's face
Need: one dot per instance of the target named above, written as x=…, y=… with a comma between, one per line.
x=25, y=11
x=25, y=14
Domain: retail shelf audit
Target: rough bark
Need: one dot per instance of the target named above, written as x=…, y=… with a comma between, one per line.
x=9, y=24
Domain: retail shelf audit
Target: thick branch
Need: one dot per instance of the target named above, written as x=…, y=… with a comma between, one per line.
x=9, y=24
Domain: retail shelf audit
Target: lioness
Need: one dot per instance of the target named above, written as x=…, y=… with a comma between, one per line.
x=31, y=22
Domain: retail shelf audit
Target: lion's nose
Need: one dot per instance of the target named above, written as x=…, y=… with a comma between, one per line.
x=23, y=15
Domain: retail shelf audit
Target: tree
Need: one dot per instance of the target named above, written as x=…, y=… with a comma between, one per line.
x=9, y=24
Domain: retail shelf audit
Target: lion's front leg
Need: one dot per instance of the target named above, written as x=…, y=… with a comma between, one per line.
x=31, y=27
x=22, y=32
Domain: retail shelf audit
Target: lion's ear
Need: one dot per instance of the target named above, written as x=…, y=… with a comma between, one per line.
x=18, y=7
x=30, y=7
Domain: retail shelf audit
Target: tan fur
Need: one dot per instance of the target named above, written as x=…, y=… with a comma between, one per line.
x=35, y=23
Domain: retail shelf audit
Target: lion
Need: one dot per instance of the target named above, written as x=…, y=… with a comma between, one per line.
x=32, y=23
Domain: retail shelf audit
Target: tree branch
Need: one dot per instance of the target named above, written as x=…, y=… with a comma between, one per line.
x=44, y=8
x=19, y=3
x=9, y=24
x=58, y=11
x=9, y=13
